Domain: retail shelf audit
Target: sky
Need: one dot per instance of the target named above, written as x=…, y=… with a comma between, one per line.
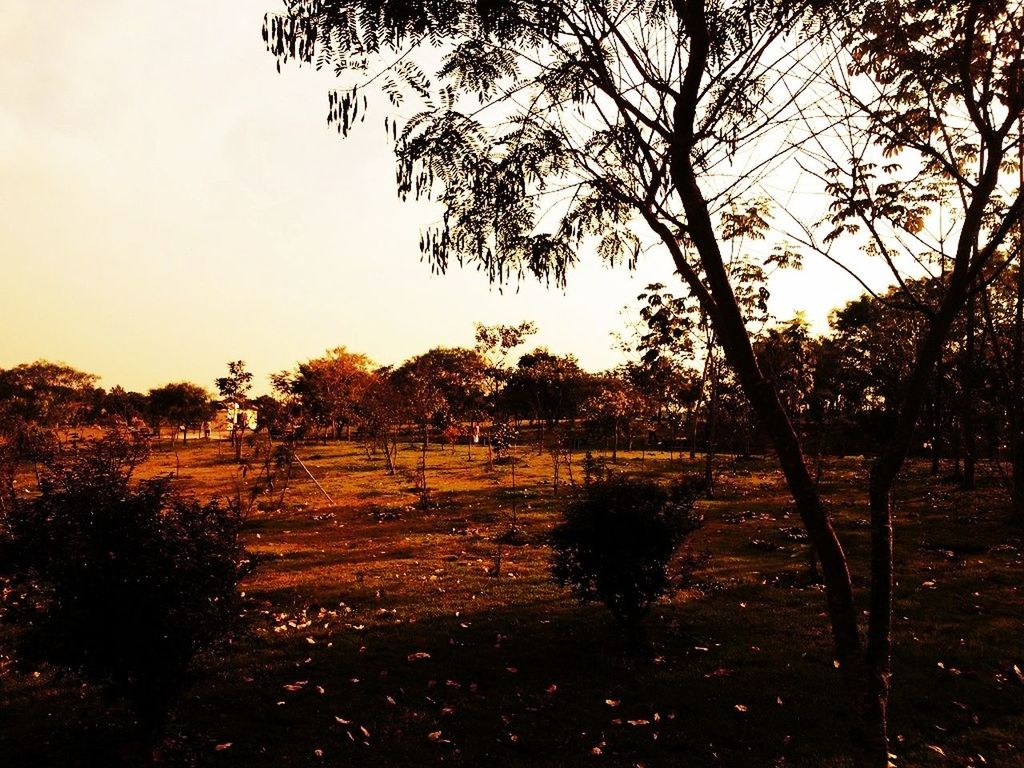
x=169, y=202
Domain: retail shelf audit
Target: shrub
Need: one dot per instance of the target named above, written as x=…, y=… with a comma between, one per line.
x=616, y=541
x=503, y=438
x=121, y=583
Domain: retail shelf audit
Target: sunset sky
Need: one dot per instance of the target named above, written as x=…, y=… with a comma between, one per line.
x=168, y=202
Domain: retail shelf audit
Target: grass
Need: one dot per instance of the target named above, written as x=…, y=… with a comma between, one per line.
x=378, y=636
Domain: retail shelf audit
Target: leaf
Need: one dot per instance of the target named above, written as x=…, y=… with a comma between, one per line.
x=419, y=655
x=222, y=747
x=720, y=672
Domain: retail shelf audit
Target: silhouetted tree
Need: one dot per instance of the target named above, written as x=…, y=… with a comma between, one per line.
x=639, y=113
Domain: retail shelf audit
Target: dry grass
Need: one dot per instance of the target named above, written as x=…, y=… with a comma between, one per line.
x=377, y=636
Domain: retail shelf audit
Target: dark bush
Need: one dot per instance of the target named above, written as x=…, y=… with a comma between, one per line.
x=121, y=583
x=616, y=542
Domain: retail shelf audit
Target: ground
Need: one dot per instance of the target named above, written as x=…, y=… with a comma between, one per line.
x=379, y=635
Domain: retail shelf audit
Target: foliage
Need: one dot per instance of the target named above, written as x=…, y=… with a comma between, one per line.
x=235, y=386
x=547, y=387
x=44, y=393
x=119, y=406
x=617, y=407
x=121, y=583
x=494, y=343
x=329, y=388
x=443, y=384
x=182, y=404
x=503, y=438
x=547, y=124
x=617, y=539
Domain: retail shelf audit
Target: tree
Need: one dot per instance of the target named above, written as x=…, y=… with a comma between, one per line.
x=546, y=388
x=617, y=408
x=234, y=391
x=439, y=387
x=330, y=388
x=45, y=394
x=1003, y=336
x=182, y=405
x=123, y=406
x=643, y=114
x=494, y=343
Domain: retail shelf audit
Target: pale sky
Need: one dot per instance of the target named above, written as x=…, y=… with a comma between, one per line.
x=168, y=202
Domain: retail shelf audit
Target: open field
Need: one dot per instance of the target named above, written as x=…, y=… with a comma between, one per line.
x=378, y=634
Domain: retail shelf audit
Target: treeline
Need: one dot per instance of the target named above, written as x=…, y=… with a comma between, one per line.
x=675, y=393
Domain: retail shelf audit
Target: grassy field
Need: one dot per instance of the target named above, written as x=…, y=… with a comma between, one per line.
x=379, y=635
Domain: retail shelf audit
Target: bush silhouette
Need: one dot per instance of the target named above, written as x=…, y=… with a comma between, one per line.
x=616, y=542
x=121, y=583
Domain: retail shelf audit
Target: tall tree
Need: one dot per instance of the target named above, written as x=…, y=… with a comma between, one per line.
x=609, y=115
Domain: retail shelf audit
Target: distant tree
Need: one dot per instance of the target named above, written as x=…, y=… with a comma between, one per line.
x=271, y=415
x=181, y=405
x=616, y=408
x=124, y=406
x=45, y=394
x=234, y=392
x=1002, y=310
x=382, y=411
x=330, y=388
x=439, y=386
x=494, y=343
x=547, y=388
x=677, y=333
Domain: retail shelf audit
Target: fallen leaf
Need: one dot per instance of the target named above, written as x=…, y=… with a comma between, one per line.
x=720, y=672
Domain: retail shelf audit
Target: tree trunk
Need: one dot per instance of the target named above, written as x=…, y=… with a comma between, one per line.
x=712, y=424
x=967, y=386
x=721, y=305
x=867, y=675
